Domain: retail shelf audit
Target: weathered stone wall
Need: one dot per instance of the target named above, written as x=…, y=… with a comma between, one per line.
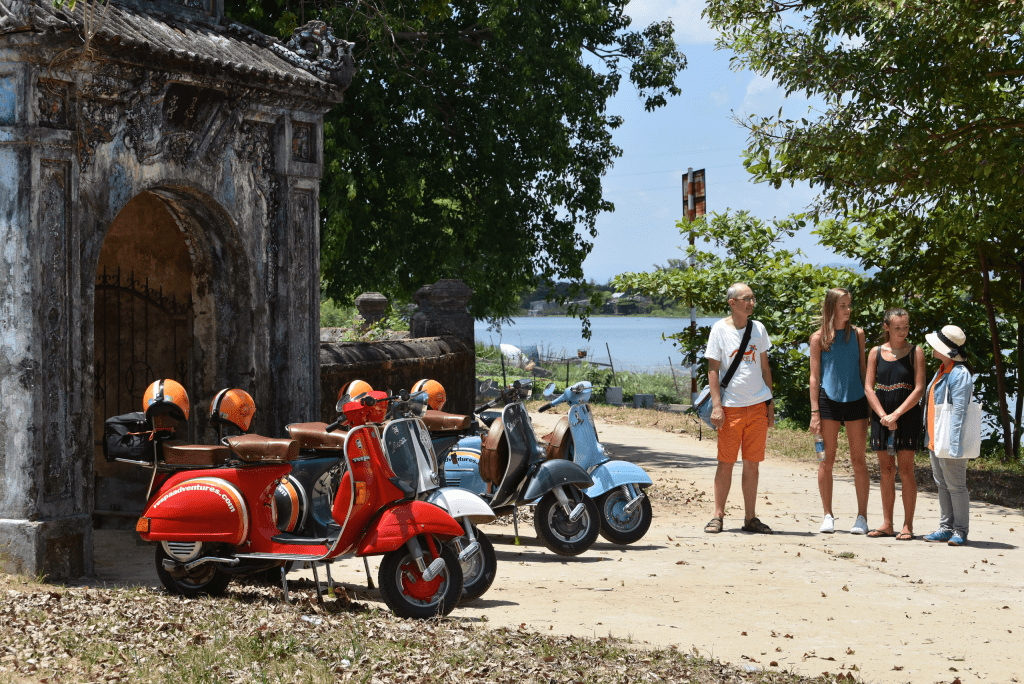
x=211, y=128
x=396, y=366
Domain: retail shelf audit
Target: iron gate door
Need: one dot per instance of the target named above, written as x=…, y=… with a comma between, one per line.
x=141, y=335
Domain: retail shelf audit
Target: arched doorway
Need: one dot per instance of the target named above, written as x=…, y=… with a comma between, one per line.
x=143, y=331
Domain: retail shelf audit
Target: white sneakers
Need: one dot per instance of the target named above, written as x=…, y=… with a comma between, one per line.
x=828, y=525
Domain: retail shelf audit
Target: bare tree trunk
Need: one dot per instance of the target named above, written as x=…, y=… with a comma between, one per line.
x=1004, y=414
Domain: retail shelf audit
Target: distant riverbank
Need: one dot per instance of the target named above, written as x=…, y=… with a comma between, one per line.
x=635, y=342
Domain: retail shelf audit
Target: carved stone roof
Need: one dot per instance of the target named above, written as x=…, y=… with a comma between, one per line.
x=313, y=59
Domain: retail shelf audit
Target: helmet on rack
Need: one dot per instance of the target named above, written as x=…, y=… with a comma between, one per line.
x=233, y=407
x=165, y=397
x=355, y=388
x=436, y=392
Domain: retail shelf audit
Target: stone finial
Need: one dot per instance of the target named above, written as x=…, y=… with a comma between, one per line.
x=442, y=311
x=372, y=306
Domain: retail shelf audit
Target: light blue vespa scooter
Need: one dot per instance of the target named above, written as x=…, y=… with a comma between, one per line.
x=623, y=507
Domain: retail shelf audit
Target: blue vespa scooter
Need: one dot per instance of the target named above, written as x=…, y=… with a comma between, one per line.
x=624, y=508
x=508, y=469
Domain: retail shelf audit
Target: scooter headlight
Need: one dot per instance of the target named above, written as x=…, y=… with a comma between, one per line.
x=418, y=403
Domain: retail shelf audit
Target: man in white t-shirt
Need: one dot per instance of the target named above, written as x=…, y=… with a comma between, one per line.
x=743, y=410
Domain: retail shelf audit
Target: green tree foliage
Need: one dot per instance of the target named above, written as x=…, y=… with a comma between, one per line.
x=916, y=147
x=789, y=292
x=472, y=141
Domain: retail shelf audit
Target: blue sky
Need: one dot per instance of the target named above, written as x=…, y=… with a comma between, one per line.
x=695, y=129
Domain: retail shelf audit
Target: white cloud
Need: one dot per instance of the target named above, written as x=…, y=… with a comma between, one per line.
x=720, y=96
x=690, y=28
x=763, y=97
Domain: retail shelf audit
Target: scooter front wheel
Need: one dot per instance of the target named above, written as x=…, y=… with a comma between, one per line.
x=618, y=526
x=205, y=579
x=479, y=571
x=406, y=592
x=561, y=535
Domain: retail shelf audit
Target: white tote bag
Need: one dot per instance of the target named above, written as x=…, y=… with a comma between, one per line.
x=970, y=433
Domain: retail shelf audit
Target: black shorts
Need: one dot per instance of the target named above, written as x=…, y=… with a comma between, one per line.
x=842, y=410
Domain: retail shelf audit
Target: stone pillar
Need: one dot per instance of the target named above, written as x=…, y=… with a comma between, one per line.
x=45, y=478
x=442, y=311
x=372, y=306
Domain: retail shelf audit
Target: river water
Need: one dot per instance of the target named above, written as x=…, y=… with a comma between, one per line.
x=635, y=341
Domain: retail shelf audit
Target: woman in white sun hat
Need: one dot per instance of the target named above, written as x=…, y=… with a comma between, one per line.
x=952, y=384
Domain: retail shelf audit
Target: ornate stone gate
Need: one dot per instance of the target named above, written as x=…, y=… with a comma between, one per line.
x=183, y=149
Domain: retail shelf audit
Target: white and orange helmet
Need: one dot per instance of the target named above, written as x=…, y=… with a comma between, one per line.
x=354, y=389
x=165, y=397
x=435, y=391
x=233, y=407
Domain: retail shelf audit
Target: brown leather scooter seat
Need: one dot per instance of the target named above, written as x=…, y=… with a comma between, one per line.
x=315, y=436
x=558, y=440
x=439, y=421
x=257, y=449
x=494, y=454
x=176, y=452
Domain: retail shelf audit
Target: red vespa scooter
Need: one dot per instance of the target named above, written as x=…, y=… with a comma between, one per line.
x=216, y=521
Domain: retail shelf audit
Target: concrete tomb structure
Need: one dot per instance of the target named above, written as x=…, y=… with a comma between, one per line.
x=158, y=219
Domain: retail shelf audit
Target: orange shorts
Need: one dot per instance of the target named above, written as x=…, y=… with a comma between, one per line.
x=746, y=427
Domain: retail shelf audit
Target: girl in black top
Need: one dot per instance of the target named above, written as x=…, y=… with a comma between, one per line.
x=894, y=385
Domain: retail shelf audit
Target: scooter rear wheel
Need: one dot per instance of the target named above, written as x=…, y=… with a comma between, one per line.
x=206, y=579
x=402, y=586
x=478, y=574
x=564, y=537
x=617, y=526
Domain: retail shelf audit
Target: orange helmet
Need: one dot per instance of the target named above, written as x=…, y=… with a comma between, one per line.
x=165, y=397
x=233, y=407
x=435, y=390
x=355, y=388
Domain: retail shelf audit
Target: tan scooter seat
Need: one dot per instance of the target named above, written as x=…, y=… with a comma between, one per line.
x=439, y=421
x=176, y=452
x=315, y=436
x=257, y=449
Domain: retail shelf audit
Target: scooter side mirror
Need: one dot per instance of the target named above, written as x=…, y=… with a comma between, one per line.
x=549, y=391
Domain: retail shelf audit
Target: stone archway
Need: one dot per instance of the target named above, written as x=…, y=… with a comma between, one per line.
x=173, y=297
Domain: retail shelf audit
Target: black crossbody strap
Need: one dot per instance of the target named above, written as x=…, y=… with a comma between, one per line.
x=739, y=355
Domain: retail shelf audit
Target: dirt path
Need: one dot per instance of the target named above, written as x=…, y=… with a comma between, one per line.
x=893, y=612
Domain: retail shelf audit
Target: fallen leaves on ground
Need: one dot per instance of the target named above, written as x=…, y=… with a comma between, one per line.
x=142, y=635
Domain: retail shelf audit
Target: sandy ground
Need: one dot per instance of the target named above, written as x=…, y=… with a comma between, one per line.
x=893, y=612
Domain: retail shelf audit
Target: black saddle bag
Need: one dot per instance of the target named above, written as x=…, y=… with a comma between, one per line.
x=127, y=437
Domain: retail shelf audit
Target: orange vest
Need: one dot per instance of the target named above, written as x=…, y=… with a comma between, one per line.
x=931, y=404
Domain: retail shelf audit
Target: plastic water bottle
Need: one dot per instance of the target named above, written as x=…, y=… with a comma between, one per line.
x=819, y=447
x=891, y=446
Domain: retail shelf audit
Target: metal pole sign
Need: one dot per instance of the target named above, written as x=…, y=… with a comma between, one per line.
x=694, y=205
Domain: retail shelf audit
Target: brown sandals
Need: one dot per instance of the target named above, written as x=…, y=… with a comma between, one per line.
x=755, y=525
x=714, y=526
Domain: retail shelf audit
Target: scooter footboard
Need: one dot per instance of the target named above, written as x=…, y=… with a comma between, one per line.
x=551, y=474
x=612, y=474
x=400, y=524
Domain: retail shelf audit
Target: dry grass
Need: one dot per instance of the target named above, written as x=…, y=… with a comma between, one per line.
x=666, y=421
x=61, y=634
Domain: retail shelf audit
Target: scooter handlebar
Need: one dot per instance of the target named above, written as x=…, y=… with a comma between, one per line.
x=545, y=407
x=335, y=425
x=490, y=404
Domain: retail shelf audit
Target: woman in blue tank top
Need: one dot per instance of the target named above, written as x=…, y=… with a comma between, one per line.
x=837, y=398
